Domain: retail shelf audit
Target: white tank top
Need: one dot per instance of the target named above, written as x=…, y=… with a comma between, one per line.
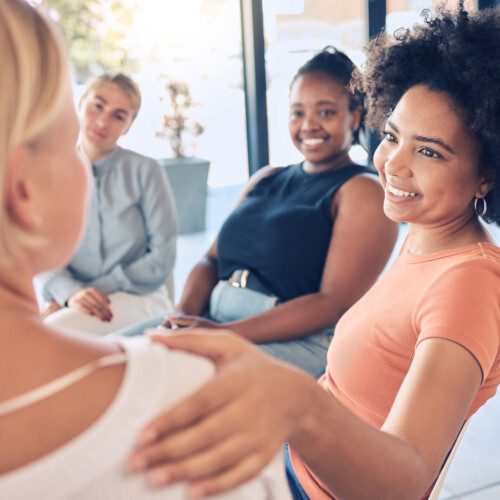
x=58, y=384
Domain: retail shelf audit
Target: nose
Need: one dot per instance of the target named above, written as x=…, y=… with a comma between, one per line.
x=397, y=163
x=101, y=121
x=309, y=122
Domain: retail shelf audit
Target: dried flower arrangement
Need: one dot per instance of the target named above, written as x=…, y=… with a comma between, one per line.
x=177, y=124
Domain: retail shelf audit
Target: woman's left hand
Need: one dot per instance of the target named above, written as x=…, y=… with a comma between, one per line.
x=230, y=429
x=49, y=308
x=180, y=320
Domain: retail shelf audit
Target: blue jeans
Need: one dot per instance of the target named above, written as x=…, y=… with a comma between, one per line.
x=228, y=303
x=296, y=489
x=231, y=304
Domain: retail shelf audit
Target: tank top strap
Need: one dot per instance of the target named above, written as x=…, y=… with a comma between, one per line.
x=60, y=383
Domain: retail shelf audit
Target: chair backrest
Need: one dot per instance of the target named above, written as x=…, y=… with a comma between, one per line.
x=438, y=485
x=171, y=288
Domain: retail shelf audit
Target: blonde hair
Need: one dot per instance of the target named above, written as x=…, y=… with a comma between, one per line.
x=122, y=81
x=33, y=83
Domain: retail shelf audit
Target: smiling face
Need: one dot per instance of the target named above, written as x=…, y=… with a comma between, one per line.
x=321, y=125
x=428, y=162
x=107, y=112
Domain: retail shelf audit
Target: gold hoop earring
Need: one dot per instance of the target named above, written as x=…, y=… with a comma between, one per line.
x=485, y=207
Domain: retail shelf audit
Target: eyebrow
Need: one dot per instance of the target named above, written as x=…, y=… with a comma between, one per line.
x=320, y=103
x=432, y=140
x=119, y=110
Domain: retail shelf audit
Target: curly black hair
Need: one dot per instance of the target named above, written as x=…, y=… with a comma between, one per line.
x=453, y=52
x=335, y=64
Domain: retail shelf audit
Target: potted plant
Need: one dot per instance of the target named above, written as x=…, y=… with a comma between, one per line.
x=187, y=174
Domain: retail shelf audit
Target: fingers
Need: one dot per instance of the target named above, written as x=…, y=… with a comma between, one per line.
x=95, y=308
x=50, y=308
x=240, y=472
x=190, y=411
x=214, y=462
x=92, y=302
x=178, y=321
x=217, y=345
x=100, y=296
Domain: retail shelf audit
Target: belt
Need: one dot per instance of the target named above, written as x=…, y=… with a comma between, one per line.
x=243, y=278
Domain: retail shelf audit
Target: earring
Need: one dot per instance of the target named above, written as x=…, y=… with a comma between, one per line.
x=485, y=207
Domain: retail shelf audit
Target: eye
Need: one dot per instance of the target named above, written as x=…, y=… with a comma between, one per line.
x=430, y=153
x=327, y=112
x=296, y=114
x=120, y=118
x=98, y=105
x=388, y=136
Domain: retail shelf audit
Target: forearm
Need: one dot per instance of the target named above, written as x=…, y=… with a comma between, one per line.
x=199, y=285
x=144, y=275
x=292, y=319
x=353, y=459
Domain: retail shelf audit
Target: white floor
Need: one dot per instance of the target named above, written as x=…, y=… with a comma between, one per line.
x=475, y=472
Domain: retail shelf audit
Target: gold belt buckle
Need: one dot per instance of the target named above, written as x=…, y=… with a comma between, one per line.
x=239, y=278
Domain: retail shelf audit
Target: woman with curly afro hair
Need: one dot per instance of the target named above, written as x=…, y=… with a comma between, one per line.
x=414, y=358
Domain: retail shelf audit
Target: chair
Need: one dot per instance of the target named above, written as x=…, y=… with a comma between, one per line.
x=171, y=288
x=438, y=485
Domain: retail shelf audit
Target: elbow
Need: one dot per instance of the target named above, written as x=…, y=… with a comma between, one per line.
x=330, y=309
x=410, y=484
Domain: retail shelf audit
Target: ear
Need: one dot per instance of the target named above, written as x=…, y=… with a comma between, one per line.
x=485, y=186
x=18, y=191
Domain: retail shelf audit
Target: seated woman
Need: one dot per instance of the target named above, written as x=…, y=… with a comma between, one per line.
x=72, y=406
x=117, y=277
x=299, y=249
x=420, y=352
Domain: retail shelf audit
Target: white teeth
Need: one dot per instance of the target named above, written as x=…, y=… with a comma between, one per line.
x=312, y=142
x=399, y=192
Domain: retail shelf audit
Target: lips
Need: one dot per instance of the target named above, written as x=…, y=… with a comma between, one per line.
x=95, y=134
x=401, y=192
x=313, y=141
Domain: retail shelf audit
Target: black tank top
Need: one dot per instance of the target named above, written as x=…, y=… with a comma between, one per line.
x=282, y=230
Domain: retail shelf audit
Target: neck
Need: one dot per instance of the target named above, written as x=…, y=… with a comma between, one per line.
x=429, y=239
x=93, y=154
x=17, y=297
x=339, y=160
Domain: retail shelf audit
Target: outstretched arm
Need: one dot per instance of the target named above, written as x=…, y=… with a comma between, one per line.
x=203, y=277
x=361, y=243
x=216, y=439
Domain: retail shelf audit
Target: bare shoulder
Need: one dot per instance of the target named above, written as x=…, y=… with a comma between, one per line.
x=365, y=188
x=262, y=173
x=43, y=356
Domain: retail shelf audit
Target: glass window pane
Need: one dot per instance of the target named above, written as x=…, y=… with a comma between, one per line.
x=405, y=13
x=294, y=31
x=199, y=42
x=193, y=41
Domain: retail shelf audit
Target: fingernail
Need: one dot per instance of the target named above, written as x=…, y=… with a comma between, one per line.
x=148, y=436
x=136, y=464
x=159, y=477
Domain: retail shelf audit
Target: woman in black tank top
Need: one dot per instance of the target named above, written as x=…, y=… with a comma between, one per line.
x=299, y=248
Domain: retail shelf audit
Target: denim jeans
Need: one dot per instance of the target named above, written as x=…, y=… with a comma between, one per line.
x=228, y=303
x=296, y=489
x=231, y=304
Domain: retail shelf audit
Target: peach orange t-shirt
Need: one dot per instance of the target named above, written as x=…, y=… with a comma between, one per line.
x=452, y=294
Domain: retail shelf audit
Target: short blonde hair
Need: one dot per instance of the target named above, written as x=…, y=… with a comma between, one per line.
x=34, y=76
x=122, y=81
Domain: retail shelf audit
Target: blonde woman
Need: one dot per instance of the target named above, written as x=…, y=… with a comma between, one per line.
x=117, y=277
x=72, y=407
